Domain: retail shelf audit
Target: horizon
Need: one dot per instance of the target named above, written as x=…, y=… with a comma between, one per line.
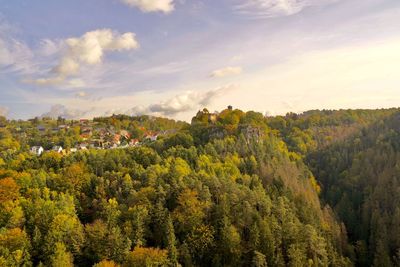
x=266, y=115
x=169, y=58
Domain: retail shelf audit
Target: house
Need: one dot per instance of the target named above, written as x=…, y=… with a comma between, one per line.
x=63, y=126
x=102, y=132
x=134, y=142
x=85, y=136
x=82, y=146
x=37, y=150
x=125, y=134
x=57, y=149
x=151, y=136
x=83, y=121
x=117, y=139
x=73, y=150
x=41, y=128
x=97, y=143
x=88, y=131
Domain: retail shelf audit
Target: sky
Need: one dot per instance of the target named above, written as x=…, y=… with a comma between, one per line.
x=86, y=58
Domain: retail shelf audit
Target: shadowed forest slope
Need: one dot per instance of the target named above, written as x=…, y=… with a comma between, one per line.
x=355, y=157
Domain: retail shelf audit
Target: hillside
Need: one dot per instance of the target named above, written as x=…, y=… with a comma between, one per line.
x=230, y=189
x=361, y=181
x=223, y=191
x=354, y=154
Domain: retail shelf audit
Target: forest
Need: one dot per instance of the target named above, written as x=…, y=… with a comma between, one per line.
x=231, y=188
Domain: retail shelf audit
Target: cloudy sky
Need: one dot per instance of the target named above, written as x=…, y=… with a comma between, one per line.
x=85, y=58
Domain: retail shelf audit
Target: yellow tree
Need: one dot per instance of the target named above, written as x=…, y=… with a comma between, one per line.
x=190, y=211
x=9, y=190
x=146, y=257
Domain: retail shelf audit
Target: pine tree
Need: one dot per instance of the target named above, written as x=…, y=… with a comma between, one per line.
x=171, y=241
x=259, y=260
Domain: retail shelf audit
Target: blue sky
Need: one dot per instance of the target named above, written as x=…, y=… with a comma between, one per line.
x=85, y=58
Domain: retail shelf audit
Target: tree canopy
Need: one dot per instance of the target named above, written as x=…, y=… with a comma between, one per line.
x=231, y=189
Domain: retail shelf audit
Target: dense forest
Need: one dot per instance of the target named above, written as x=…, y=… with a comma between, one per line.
x=355, y=156
x=231, y=188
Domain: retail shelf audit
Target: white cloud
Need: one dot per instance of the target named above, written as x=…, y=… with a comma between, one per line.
x=65, y=112
x=3, y=111
x=6, y=57
x=15, y=56
x=89, y=49
x=276, y=8
x=227, y=71
x=187, y=101
x=50, y=47
x=180, y=105
x=175, y=105
x=138, y=110
x=45, y=81
x=165, y=6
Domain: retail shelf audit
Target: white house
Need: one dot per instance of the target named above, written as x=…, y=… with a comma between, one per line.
x=83, y=146
x=57, y=149
x=37, y=150
x=151, y=137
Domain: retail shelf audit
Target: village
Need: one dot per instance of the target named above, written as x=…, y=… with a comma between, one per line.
x=95, y=136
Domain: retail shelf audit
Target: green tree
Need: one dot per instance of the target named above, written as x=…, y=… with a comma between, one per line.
x=171, y=242
x=61, y=257
x=67, y=230
x=103, y=242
